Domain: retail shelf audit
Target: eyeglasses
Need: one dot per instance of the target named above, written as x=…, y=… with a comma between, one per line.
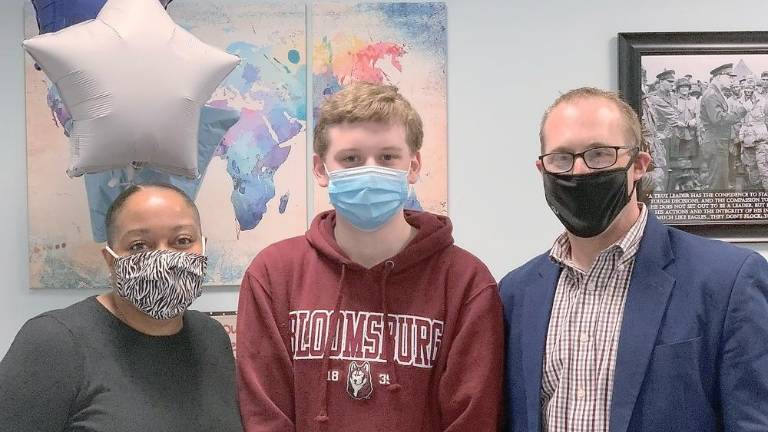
x=594, y=158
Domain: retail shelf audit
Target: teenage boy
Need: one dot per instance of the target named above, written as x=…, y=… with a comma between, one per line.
x=373, y=320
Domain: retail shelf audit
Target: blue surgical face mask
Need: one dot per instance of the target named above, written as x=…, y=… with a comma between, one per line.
x=368, y=196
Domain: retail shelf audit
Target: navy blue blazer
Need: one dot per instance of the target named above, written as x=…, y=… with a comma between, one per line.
x=693, y=346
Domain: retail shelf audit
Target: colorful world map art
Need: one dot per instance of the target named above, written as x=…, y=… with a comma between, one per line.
x=253, y=131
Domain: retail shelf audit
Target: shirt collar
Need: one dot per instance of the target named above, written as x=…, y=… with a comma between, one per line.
x=625, y=248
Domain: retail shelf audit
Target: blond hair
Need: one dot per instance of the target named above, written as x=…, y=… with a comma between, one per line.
x=632, y=126
x=366, y=102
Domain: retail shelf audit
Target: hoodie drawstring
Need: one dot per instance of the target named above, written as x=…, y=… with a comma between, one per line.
x=389, y=342
x=322, y=417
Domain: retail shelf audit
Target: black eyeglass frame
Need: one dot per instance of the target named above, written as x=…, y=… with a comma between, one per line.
x=581, y=155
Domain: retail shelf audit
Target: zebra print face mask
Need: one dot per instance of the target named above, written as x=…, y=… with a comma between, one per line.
x=160, y=283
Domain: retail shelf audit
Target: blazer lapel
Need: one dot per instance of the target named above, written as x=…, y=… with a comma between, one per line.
x=647, y=296
x=538, y=306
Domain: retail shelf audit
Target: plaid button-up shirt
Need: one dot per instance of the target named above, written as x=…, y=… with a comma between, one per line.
x=583, y=335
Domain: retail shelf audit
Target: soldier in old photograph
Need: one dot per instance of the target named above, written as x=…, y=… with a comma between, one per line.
x=718, y=118
x=685, y=145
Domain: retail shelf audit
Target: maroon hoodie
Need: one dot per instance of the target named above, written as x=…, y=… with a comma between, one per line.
x=413, y=344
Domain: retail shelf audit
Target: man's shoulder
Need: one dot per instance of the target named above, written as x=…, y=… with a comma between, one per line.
x=706, y=256
x=523, y=275
x=711, y=95
x=655, y=98
x=705, y=247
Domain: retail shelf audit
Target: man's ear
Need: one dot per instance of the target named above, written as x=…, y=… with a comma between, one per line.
x=641, y=164
x=318, y=169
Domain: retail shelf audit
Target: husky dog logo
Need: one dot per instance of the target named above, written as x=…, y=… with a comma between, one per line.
x=359, y=384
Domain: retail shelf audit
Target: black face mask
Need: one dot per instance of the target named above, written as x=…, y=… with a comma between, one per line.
x=587, y=204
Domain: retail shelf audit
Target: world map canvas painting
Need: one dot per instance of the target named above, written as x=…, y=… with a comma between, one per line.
x=252, y=144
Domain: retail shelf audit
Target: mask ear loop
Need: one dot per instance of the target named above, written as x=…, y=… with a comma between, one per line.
x=410, y=194
x=634, y=186
x=111, y=252
x=636, y=150
x=328, y=173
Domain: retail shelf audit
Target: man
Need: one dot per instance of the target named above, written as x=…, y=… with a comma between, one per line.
x=764, y=79
x=686, y=131
x=760, y=84
x=374, y=320
x=736, y=89
x=752, y=132
x=664, y=103
x=696, y=90
x=656, y=179
x=717, y=122
x=700, y=168
x=685, y=134
x=736, y=169
x=625, y=324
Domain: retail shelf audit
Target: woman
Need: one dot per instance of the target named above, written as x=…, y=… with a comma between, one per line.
x=134, y=359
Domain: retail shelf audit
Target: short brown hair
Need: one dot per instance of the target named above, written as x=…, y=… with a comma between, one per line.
x=364, y=102
x=632, y=126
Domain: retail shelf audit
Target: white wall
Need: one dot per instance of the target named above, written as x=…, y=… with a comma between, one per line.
x=508, y=59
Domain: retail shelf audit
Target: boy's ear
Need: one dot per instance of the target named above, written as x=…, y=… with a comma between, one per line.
x=415, y=169
x=318, y=169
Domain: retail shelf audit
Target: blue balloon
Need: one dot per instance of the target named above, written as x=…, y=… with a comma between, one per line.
x=54, y=15
x=102, y=188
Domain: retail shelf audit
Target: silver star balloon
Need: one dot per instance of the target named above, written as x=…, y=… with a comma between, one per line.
x=134, y=83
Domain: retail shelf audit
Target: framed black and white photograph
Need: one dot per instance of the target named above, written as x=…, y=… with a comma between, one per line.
x=703, y=102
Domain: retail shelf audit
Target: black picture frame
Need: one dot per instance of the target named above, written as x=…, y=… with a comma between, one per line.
x=633, y=47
